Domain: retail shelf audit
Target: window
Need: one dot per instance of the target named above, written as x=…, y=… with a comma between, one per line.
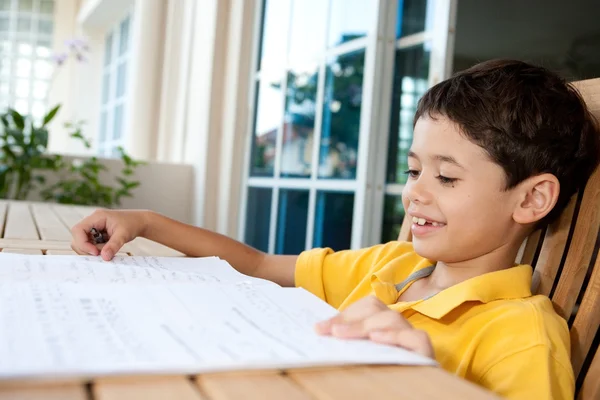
x=319, y=88
x=25, y=50
x=114, y=89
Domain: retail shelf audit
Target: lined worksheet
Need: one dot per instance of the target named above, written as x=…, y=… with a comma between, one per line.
x=59, y=316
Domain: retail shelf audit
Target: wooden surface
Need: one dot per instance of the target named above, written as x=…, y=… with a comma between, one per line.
x=48, y=223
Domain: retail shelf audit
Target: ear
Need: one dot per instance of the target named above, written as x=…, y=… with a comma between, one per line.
x=537, y=196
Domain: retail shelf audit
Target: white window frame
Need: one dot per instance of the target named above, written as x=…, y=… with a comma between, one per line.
x=106, y=145
x=33, y=37
x=369, y=186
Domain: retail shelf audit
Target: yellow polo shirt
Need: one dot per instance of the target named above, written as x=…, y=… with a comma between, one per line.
x=489, y=329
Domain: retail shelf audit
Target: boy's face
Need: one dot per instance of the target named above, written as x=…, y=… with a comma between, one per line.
x=455, y=188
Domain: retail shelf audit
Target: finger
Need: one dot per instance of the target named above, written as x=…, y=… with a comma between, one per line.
x=112, y=247
x=383, y=320
x=411, y=339
x=80, y=232
x=81, y=243
x=355, y=312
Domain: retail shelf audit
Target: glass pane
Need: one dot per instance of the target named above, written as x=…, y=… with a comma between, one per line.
x=274, y=35
x=47, y=6
x=25, y=5
x=24, y=49
x=45, y=27
x=258, y=218
x=350, y=19
x=291, y=221
x=4, y=24
x=105, y=87
x=333, y=220
x=22, y=106
x=299, y=127
x=307, y=39
x=393, y=215
x=40, y=89
x=121, y=76
x=267, y=119
x=24, y=24
x=103, y=125
x=413, y=16
x=341, y=116
x=108, y=49
x=42, y=52
x=3, y=89
x=38, y=109
x=23, y=68
x=118, y=122
x=124, y=37
x=43, y=69
x=5, y=5
x=22, y=88
x=411, y=70
x=45, y=42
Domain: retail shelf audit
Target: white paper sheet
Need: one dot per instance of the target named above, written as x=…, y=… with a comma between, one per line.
x=63, y=327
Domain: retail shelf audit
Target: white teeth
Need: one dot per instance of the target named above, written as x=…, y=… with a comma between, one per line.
x=415, y=220
x=434, y=224
x=422, y=221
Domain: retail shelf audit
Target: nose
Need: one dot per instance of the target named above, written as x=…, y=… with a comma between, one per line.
x=415, y=191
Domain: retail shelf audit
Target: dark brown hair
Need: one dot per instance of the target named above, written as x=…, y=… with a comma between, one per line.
x=528, y=119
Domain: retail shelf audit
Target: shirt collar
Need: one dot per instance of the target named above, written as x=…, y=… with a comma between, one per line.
x=511, y=283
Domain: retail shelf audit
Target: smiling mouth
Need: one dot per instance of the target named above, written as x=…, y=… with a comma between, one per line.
x=425, y=222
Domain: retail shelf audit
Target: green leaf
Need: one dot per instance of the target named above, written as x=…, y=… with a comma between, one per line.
x=50, y=115
x=17, y=118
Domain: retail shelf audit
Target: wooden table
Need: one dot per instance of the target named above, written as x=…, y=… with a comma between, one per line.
x=40, y=228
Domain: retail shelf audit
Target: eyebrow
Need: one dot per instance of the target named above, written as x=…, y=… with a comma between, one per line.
x=438, y=157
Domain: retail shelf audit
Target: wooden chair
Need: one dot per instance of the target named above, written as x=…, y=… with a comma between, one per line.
x=567, y=269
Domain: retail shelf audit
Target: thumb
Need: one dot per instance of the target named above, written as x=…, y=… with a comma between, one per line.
x=113, y=245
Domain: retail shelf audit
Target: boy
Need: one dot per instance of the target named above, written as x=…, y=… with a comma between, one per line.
x=498, y=150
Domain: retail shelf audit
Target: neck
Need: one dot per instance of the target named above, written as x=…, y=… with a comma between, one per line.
x=448, y=274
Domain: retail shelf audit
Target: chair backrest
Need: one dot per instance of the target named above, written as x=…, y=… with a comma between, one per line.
x=567, y=269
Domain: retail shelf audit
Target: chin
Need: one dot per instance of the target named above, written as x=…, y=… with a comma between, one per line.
x=430, y=251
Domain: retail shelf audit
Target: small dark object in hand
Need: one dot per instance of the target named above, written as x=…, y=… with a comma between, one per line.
x=97, y=236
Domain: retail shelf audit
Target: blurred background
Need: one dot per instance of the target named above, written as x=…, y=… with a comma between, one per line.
x=283, y=123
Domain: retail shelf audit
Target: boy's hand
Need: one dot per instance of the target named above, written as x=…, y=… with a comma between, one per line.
x=369, y=318
x=120, y=226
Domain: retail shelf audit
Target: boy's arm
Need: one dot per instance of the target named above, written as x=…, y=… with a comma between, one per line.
x=198, y=242
x=123, y=226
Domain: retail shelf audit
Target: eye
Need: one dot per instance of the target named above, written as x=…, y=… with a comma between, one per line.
x=445, y=180
x=412, y=173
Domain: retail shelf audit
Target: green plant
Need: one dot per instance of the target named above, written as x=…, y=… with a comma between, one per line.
x=79, y=181
x=23, y=154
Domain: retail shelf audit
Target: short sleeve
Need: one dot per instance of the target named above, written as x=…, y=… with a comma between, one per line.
x=332, y=276
x=530, y=374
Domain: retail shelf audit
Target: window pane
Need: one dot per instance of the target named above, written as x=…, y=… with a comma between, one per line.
x=103, y=125
x=108, y=49
x=350, y=19
x=105, y=87
x=4, y=24
x=121, y=76
x=307, y=39
x=22, y=106
x=43, y=69
x=22, y=88
x=24, y=49
x=38, y=110
x=118, y=122
x=258, y=218
x=413, y=16
x=299, y=123
x=43, y=52
x=267, y=119
x=274, y=35
x=291, y=221
x=393, y=215
x=333, y=220
x=45, y=27
x=410, y=83
x=24, y=24
x=5, y=5
x=47, y=6
x=40, y=89
x=23, y=67
x=124, y=37
x=341, y=116
x=25, y=5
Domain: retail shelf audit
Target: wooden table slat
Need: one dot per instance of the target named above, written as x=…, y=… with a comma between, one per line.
x=251, y=386
x=41, y=392
x=60, y=253
x=67, y=214
x=49, y=225
x=34, y=244
x=180, y=388
x=20, y=223
x=23, y=251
